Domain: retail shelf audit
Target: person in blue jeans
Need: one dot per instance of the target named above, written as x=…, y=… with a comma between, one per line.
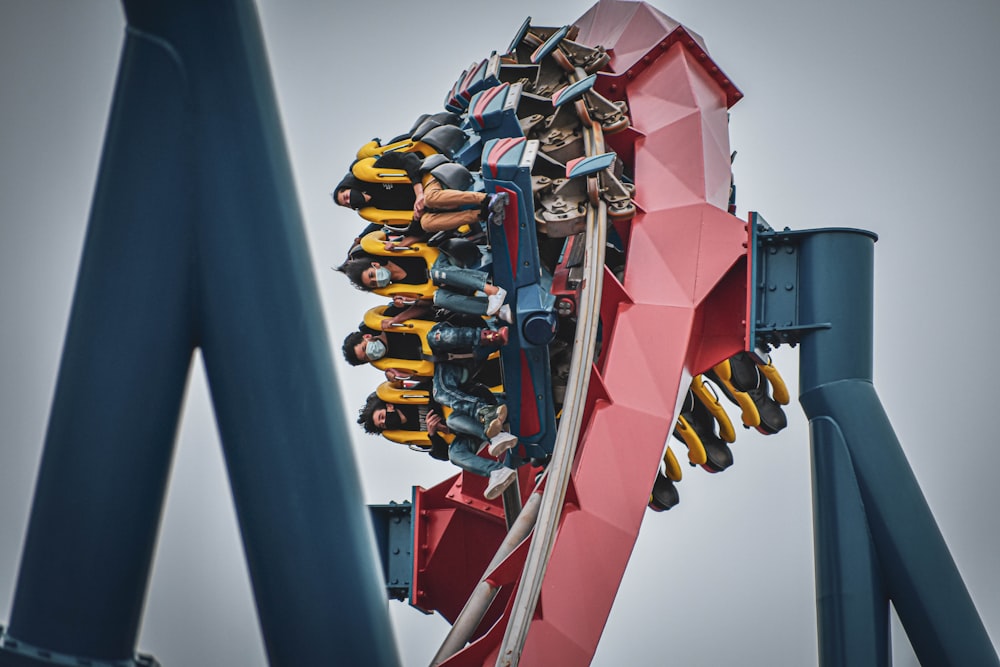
x=457, y=286
x=378, y=415
x=455, y=351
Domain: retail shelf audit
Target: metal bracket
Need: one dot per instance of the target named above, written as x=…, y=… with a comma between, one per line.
x=774, y=293
x=393, y=524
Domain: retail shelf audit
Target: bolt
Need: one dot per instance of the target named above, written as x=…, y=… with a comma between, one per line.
x=789, y=286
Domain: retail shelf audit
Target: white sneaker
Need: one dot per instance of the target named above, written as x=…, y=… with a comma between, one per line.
x=505, y=314
x=501, y=442
x=494, y=301
x=500, y=479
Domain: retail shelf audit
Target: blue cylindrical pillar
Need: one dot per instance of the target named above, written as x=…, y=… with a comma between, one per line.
x=109, y=443
x=195, y=240
x=879, y=495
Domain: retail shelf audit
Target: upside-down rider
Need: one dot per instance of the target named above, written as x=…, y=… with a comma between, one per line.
x=456, y=350
x=435, y=208
x=457, y=286
x=378, y=416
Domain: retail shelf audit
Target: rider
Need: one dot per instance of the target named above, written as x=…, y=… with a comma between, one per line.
x=449, y=374
x=435, y=207
x=378, y=416
x=367, y=274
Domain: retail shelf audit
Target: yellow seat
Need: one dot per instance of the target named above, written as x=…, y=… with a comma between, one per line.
x=779, y=391
x=711, y=401
x=372, y=149
x=696, y=449
x=372, y=243
x=365, y=170
x=750, y=415
x=671, y=468
x=418, y=440
x=420, y=367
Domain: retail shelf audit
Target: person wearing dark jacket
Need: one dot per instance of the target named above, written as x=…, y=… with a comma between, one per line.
x=378, y=415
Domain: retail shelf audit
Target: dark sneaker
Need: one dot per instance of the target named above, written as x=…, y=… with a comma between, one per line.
x=497, y=206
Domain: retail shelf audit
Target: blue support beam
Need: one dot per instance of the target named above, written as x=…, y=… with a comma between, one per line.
x=195, y=240
x=393, y=525
x=876, y=539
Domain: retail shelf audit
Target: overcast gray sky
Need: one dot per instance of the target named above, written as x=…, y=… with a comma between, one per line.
x=858, y=113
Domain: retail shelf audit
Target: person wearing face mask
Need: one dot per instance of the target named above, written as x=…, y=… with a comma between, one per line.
x=378, y=416
x=435, y=207
x=456, y=285
x=455, y=350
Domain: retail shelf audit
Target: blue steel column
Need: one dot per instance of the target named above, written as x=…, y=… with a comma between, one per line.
x=195, y=239
x=109, y=443
x=863, y=484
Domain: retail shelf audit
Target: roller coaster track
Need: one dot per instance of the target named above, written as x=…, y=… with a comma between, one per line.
x=540, y=517
x=685, y=253
x=564, y=454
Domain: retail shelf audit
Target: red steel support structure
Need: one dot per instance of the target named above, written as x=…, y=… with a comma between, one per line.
x=680, y=310
x=684, y=306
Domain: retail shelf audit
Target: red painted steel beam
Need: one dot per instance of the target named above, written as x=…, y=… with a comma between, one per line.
x=680, y=310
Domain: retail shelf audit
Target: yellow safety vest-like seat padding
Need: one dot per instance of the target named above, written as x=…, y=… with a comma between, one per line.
x=373, y=149
x=671, y=468
x=711, y=401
